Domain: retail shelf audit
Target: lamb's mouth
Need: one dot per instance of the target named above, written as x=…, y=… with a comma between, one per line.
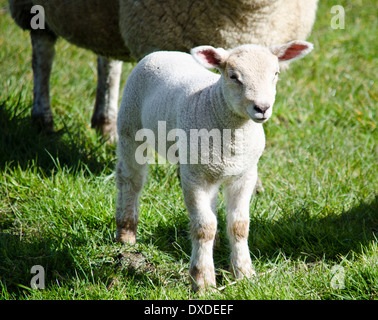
x=260, y=120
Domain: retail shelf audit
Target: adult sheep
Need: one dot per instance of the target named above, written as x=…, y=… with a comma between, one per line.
x=129, y=29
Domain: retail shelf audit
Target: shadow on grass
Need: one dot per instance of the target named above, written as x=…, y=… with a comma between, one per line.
x=327, y=235
x=299, y=235
x=21, y=144
x=18, y=256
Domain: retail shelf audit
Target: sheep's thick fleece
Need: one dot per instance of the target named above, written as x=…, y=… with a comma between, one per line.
x=151, y=25
x=226, y=23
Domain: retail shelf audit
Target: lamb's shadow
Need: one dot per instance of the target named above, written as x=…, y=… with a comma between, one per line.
x=299, y=235
x=22, y=144
x=314, y=237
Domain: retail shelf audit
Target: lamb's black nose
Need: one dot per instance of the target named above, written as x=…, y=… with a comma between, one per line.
x=261, y=108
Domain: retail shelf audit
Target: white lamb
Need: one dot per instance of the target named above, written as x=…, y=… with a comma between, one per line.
x=171, y=87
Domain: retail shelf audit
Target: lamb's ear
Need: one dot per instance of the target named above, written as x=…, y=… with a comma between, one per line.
x=293, y=50
x=210, y=57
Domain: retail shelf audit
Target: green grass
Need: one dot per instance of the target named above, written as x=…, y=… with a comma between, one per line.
x=319, y=169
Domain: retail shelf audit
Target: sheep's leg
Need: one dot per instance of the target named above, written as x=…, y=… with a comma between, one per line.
x=259, y=188
x=238, y=194
x=130, y=179
x=203, y=225
x=104, y=117
x=42, y=60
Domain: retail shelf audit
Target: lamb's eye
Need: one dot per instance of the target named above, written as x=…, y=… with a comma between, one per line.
x=235, y=78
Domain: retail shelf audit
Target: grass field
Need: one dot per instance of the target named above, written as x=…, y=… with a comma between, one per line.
x=313, y=232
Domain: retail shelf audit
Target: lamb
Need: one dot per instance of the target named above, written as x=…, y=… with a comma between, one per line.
x=171, y=88
x=127, y=30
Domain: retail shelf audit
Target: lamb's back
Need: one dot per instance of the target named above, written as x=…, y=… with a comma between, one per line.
x=175, y=71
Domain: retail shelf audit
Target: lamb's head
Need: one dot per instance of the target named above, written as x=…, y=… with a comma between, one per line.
x=250, y=74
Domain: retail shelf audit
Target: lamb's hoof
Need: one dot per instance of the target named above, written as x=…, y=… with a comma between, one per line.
x=126, y=236
x=244, y=271
x=202, y=279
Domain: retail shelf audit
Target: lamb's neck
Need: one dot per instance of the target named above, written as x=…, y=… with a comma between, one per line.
x=221, y=113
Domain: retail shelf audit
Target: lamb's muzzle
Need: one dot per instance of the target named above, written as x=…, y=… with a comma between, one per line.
x=261, y=108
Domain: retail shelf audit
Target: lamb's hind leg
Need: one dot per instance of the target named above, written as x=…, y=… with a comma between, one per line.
x=130, y=180
x=238, y=194
x=104, y=117
x=43, y=43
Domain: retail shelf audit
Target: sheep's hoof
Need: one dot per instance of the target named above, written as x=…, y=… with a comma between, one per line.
x=126, y=236
x=43, y=123
x=109, y=133
x=216, y=241
x=259, y=189
x=106, y=128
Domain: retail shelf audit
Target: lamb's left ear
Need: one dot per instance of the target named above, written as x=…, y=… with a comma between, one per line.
x=292, y=50
x=210, y=57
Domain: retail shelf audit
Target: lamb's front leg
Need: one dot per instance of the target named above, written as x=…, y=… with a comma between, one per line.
x=238, y=194
x=199, y=201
